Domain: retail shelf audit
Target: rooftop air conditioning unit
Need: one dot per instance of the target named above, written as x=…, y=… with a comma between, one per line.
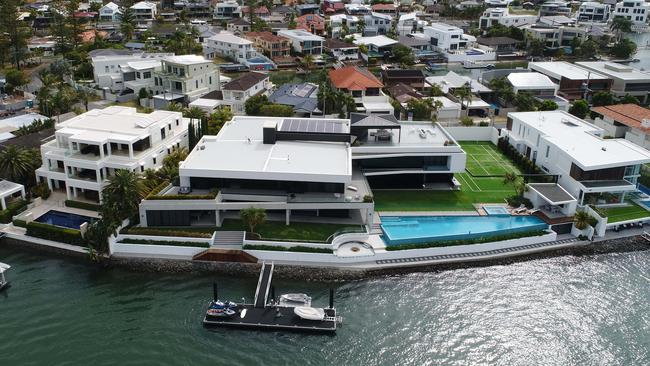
x=645, y=123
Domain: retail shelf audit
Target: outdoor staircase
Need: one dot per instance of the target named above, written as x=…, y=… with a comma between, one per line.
x=229, y=238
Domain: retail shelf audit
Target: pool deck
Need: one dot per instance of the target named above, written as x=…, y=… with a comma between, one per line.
x=56, y=202
x=428, y=213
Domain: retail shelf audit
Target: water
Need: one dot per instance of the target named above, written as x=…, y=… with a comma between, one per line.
x=496, y=210
x=64, y=219
x=562, y=311
x=418, y=229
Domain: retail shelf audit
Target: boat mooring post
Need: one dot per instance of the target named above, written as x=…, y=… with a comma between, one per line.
x=331, y=298
x=215, y=292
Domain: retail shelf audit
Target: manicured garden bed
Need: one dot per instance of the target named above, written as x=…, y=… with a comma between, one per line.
x=165, y=242
x=297, y=248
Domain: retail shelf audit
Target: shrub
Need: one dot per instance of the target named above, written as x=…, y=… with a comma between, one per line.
x=82, y=205
x=55, y=233
x=41, y=190
x=12, y=210
x=297, y=248
x=466, y=121
x=367, y=198
x=484, y=124
x=516, y=201
x=165, y=242
x=157, y=189
x=20, y=223
x=479, y=240
x=165, y=232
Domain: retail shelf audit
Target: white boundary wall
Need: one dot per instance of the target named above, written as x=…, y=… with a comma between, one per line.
x=460, y=133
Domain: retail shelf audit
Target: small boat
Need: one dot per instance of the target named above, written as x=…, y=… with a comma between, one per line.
x=309, y=313
x=221, y=310
x=3, y=282
x=295, y=299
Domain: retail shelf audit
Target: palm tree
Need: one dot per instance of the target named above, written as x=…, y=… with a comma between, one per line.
x=582, y=220
x=517, y=183
x=121, y=196
x=127, y=23
x=97, y=235
x=308, y=61
x=174, y=107
x=252, y=217
x=464, y=94
x=17, y=163
x=194, y=113
x=84, y=96
x=621, y=25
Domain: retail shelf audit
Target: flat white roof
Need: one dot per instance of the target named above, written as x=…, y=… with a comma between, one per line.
x=530, y=80
x=8, y=187
x=229, y=38
x=447, y=103
x=300, y=34
x=615, y=70
x=203, y=102
x=576, y=137
x=379, y=41
x=143, y=65
x=115, y=122
x=186, y=59
x=241, y=141
x=559, y=69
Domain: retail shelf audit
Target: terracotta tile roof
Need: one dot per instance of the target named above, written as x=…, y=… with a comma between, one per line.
x=630, y=115
x=383, y=7
x=354, y=78
x=267, y=36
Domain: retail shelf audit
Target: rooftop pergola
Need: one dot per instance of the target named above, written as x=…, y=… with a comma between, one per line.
x=361, y=123
x=8, y=190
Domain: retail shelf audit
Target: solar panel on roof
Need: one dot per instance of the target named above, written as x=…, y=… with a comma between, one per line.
x=311, y=125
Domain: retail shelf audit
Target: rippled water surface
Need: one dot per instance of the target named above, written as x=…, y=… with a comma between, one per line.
x=590, y=310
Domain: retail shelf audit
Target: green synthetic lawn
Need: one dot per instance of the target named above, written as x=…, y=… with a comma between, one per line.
x=277, y=229
x=618, y=214
x=484, y=159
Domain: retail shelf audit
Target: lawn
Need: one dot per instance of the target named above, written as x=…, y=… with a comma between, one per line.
x=624, y=213
x=133, y=104
x=299, y=231
x=484, y=159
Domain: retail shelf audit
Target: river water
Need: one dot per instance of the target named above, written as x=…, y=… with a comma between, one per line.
x=585, y=310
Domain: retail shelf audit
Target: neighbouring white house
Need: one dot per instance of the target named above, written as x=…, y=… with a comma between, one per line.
x=594, y=12
x=502, y=16
x=238, y=49
x=409, y=23
x=342, y=51
x=110, y=13
x=364, y=87
x=107, y=71
x=377, y=45
x=138, y=75
x=144, y=10
x=555, y=36
x=455, y=45
x=305, y=169
x=227, y=10
x=377, y=23
x=449, y=110
x=539, y=86
x=626, y=79
x=555, y=7
x=304, y=42
x=184, y=79
x=589, y=167
x=89, y=148
x=340, y=21
x=628, y=121
x=636, y=11
x=497, y=3
x=238, y=91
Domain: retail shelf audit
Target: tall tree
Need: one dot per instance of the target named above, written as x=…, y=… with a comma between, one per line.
x=13, y=32
x=121, y=196
x=18, y=163
x=127, y=23
x=464, y=94
x=74, y=23
x=621, y=25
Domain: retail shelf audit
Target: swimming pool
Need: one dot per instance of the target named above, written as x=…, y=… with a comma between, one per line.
x=496, y=210
x=65, y=219
x=423, y=229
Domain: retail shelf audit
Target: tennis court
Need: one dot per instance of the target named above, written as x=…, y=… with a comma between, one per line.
x=483, y=158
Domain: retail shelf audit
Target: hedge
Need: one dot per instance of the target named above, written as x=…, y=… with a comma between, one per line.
x=297, y=248
x=82, y=205
x=485, y=239
x=20, y=223
x=165, y=242
x=159, y=232
x=55, y=233
x=12, y=210
x=157, y=189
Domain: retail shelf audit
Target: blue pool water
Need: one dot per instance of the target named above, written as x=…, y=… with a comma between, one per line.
x=645, y=203
x=423, y=229
x=496, y=210
x=65, y=219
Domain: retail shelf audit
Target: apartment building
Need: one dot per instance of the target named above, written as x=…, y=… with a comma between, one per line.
x=107, y=66
x=89, y=148
x=184, y=79
x=636, y=11
x=594, y=12
x=502, y=16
